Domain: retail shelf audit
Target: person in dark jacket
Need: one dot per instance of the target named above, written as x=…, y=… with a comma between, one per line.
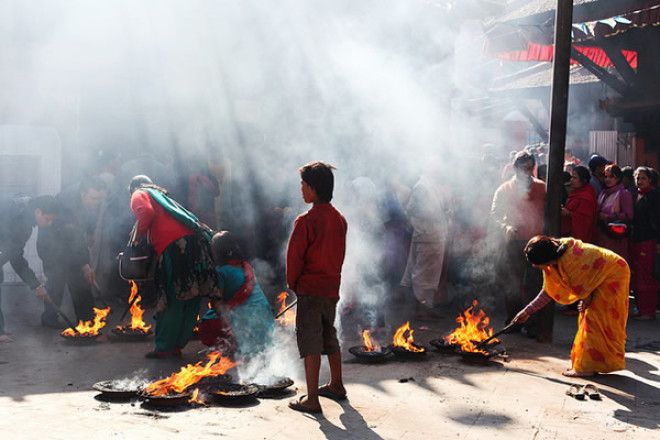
x=18, y=220
x=645, y=242
x=64, y=249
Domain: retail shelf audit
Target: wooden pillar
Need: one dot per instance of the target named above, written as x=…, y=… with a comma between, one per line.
x=558, y=115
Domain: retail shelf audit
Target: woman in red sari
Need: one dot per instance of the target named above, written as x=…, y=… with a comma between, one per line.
x=645, y=242
x=579, y=214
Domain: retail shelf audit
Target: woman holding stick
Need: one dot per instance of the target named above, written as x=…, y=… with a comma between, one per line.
x=599, y=279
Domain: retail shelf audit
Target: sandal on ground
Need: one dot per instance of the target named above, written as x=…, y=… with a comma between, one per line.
x=325, y=391
x=300, y=404
x=573, y=373
x=6, y=338
x=576, y=391
x=591, y=390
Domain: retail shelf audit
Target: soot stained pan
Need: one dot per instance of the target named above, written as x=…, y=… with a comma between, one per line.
x=445, y=347
x=370, y=357
x=277, y=388
x=234, y=393
x=81, y=339
x=129, y=335
x=113, y=389
x=402, y=353
x=168, y=400
x=483, y=358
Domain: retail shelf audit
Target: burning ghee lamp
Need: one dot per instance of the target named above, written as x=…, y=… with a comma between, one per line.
x=137, y=329
x=87, y=331
x=473, y=339
x=403, y=344
x=175, y=389
x=370, y=351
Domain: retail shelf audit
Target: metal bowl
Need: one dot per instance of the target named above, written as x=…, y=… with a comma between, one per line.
x=234, y=392
x=402, y=353
x=109, y=389
x=276, y=389
x=370, y=357
x=445, y=347
x=129, y=335
x=81, y=339
x=479, y=358
x=168, y=400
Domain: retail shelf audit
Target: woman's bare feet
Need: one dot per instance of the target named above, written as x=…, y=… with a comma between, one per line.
x=5, y=338
x=572, y=373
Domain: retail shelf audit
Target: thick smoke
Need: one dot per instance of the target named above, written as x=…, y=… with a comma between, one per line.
x=258, y=89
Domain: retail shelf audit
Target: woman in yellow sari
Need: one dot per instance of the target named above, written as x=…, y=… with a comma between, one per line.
x=599, y=279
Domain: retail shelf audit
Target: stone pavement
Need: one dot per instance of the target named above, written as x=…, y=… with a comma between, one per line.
x=45, y=392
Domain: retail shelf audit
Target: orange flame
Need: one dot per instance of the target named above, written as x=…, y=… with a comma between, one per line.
x=195, y=398
x=473, y=328
x=137, y=324
x=87, y=328
x=369, y=344
x=403, y=337
x=289, y=316
x=189, y=375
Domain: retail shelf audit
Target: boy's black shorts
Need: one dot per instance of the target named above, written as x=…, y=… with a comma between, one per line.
x=315, y=330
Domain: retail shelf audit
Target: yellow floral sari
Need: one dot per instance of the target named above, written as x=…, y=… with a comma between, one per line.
x=600, y=342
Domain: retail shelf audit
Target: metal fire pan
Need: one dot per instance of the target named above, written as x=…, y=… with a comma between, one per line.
x=482, y=358
x=128, y=335
x=402, y=353
x=234, y=392
x=109, y=389
x=370, y=357
x=81, y=339
x=169, y=400
x=278, y=388
x=444, y=347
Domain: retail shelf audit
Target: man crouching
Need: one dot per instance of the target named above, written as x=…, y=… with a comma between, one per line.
x=313, y=271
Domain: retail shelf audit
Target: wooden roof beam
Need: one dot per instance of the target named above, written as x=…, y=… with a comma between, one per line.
x=613, y=51
x=599, y=72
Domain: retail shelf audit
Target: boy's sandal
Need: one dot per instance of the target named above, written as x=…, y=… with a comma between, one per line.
x=576, y=391
x=591, y=390
x=299, y=405
x=325, y=391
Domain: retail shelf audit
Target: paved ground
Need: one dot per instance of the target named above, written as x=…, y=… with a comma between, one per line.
x=45, y=392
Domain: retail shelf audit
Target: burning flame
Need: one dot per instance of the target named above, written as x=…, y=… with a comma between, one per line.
x=189, y=375
x=195, y=398
x=369, y=344
x=473, y=328
x=289, y=316
x=87, y=328
x=137, y=324
x=403, y=337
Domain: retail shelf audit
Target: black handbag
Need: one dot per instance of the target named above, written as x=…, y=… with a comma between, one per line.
x=137, y=263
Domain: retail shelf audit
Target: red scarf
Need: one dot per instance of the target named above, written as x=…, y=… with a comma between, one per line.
x=246, y=289
x=643, y=191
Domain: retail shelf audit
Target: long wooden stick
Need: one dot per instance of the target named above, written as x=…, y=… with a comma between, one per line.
x=504, y=330
x=286, y=308
x=61, y=313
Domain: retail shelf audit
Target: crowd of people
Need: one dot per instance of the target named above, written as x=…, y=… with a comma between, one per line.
x=608, y=213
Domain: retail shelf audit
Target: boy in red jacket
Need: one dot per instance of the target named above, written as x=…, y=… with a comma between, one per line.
x=313, y=271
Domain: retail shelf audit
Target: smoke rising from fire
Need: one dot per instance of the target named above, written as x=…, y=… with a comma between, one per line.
x=258, y=89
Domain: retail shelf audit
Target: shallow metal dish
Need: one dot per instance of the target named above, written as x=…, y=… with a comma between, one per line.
x=402, y=353
x=169, y=400
x=130, y=335
x=370, y=357
x=109, y=389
